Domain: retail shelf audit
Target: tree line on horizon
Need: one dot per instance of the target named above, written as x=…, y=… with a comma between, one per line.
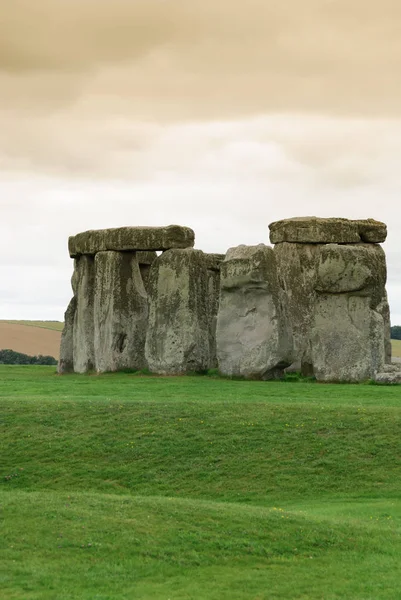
x=11, y=357
x=396, y=332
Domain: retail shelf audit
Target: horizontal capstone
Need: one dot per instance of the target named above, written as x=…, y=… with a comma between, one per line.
x=314, y=230
x=124, y=239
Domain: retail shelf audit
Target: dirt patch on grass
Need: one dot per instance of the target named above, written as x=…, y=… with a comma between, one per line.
x=29, y=340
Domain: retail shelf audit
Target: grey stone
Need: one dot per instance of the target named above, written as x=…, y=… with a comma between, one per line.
x=314, y=230
x=383, y=308
x=145, y=260
x=347, y=339
x=388, y=378
x=253, y=333
x=372, y=231
x=131, y=239
x=66, y=360
x=83, y=330
x=177, y=341
x=213, y=262
x=120, y=312
x=349, y=329
x=297, y=267
x=358, y=268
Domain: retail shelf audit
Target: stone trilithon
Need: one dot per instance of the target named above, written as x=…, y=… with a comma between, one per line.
x=144, y=298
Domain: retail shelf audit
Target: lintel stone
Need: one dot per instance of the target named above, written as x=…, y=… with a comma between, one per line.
x=123, y=239
x=314, y=230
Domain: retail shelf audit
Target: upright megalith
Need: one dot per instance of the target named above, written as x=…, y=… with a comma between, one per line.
x=213, y=263
x=296, y=265
x=66, y=360
x=120, y=312
x=83, y=328
x=177, y=339
x=348, y=331
x=334, y=274
x=106, y=321
x=253, y=335
x=123, y=239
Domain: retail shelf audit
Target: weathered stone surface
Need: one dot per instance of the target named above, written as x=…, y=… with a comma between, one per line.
x=178, y=331
x=372, y=231
x=349, y=330
x=120, y=312
x=213, y=262
x=131, y=239
x=314, y=230
x=347, y=339
x=356, y=268
x=389, y=378
x=66, y=360
x=253, y=334
x=383, y=308
x=83, y=330
x=145, y=260
x=297, y=267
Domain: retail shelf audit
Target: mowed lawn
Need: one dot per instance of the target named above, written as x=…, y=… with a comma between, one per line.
x=119, y=487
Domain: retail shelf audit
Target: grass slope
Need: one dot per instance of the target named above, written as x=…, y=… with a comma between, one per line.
x=120, y=486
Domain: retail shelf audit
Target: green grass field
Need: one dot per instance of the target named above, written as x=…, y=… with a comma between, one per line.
x=116, y=487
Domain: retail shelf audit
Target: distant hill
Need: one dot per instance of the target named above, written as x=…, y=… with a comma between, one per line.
x=31, y=337
x=55, y=325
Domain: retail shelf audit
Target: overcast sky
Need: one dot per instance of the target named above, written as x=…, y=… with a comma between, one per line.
x=223, y=115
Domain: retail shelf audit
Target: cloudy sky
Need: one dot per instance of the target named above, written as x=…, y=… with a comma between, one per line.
x=223, y=115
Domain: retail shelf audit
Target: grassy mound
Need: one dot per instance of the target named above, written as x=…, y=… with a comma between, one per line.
x=120, y=486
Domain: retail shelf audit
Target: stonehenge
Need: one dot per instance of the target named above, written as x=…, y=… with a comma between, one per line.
x=145, y=298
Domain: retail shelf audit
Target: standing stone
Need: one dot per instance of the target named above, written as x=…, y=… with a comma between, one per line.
x=66, y=360
x=83, y=331
x=297, y=265
x=253, y=334
x=383, y=308
x=348, y=333
x=213, y=262
x=120, y=312
x=177, y=341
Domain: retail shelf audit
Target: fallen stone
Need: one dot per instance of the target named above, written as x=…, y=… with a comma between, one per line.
x=124, y=239
x=177, y=340
x=388, y=378
x=253, y=335
x=83, y=330
x=120, y=312
x=314, y=230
